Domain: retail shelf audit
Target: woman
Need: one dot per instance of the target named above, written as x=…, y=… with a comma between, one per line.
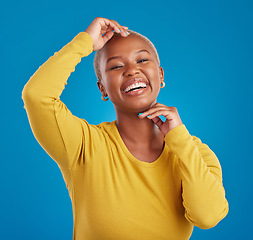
x=137, y=177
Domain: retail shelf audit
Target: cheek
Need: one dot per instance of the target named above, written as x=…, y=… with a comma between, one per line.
x=152, y=70
x=112, y=85
x=153, y=75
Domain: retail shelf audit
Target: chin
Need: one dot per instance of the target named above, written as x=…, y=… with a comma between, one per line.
x=135, y=104
x=141, y=106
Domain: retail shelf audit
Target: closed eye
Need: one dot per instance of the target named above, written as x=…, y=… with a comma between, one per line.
x=142, y=60
x=115, y=67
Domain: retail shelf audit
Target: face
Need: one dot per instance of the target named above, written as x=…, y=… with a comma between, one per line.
x=131, y=76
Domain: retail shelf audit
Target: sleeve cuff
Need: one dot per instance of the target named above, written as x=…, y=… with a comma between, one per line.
x=85, y=41
x=181, y=129
x=176, y=135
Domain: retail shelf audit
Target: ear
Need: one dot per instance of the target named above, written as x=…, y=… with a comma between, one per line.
x=161, y=73
x=101, y=88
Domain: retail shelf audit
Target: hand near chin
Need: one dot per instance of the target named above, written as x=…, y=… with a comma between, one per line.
x=101, y=31
x=170, y=113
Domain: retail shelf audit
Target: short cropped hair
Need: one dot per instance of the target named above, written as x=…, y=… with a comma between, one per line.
x=98, y=54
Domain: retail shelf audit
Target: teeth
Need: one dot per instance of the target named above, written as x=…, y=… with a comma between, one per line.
x=135, y=85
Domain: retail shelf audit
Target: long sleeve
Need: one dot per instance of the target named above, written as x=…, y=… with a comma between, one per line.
x=200, y=171
x=55, y=128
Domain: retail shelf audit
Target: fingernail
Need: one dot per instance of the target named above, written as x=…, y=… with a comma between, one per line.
x=140, y=114
x=148, y=115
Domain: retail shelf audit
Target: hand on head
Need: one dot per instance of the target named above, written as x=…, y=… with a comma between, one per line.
x=101, y=31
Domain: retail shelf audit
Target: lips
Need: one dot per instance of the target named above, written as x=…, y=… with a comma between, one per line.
x=134, y=84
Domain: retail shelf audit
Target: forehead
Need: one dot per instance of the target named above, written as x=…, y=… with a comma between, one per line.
x=124, y=46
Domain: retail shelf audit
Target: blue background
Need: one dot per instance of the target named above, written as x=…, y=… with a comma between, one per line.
x=206, y=51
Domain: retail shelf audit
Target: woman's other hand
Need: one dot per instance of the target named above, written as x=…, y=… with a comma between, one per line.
x=101, y=31
x=170, y=113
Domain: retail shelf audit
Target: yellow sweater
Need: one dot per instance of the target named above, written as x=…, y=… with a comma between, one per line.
x=114, y=195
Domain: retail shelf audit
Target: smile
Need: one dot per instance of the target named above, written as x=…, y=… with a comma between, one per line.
x=135, y=86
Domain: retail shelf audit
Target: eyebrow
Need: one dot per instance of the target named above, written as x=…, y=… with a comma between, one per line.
x=115, y=57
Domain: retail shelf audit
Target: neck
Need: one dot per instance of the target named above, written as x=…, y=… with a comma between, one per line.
x=137, y=131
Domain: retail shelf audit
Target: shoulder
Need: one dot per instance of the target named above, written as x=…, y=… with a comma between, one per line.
x=107, y=127
x=101, y=129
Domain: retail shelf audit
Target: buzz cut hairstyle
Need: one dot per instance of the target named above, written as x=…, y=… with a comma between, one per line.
x=98, y=54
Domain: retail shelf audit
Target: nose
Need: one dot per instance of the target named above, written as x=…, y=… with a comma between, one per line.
x=131, y=70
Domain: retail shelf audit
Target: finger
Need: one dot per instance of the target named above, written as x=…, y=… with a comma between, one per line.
x=164, y=113
x=158, y=106
x=158, y=121
x=126, y=30
x=123, y=30
x=107, y=36
x=110, y=25
x=153, y=110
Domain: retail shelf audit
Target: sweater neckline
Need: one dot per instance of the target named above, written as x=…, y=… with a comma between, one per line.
x=133, y=158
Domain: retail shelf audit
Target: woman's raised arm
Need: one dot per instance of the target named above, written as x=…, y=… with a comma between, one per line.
x=55, y=128
x=53, y=125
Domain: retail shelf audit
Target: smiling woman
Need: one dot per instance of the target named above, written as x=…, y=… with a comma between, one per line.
x=126, y=63
x=156, y=180
x=97, y=57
